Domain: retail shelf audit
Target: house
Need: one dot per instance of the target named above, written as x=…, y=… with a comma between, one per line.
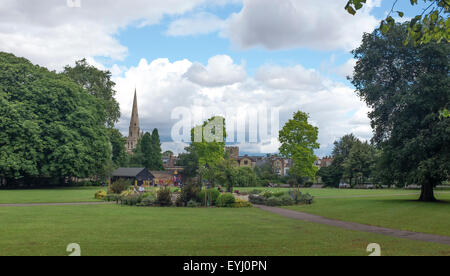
x=324, y=162
x=247, y=161
x=138, y=176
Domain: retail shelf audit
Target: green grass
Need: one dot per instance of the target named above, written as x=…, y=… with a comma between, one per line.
x=398, y=212
x=63, y=195
x=331, y=192
x=116, y=230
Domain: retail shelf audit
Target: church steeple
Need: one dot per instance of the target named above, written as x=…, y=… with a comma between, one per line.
x=134, y=131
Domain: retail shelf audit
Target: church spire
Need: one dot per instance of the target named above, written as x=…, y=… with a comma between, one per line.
x=134, y=131
x=134, y=123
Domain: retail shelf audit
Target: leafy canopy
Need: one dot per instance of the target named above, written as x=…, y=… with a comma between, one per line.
x=298, y=140
x=50, y=127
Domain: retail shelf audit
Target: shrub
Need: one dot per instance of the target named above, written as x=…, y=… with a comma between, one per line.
x=100, y=195
x=164, y=196
x=306, y=199
x=273, y=201
x=239, y=203
x=112, y=197
x=147, y=201
x=256, y=199
x=211, y=196
x=131, y=200
x=225, y=200
x=193, y=204
x=120, y=185
x=189, y=192
x=286, y=200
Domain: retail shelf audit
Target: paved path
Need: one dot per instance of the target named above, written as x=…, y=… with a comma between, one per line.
x=358, y=227
x=55, y=204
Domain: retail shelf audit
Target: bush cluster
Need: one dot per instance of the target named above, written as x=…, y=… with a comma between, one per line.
x=225, y=200
x=269, y=198
x=164, y=197
x=120, y=185
x=100, y=195
x=211, y=197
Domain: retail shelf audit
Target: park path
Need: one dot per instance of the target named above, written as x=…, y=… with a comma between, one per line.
x=357, y=226
x=54, y=204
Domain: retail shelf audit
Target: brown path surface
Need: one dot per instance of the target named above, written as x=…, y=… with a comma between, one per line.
x=357, y=227
x=54, y=204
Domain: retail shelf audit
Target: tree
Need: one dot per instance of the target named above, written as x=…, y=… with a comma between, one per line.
x=146, y=149
x=51, y=129
x=341, y=153
x=359, y=162
x=119, y=154
x=99, y=84
x=298, y=140
x=189, y=161
x=208, y=141
x=156, y=155
x=431, y=24
x=331, y=175
x=406, y=86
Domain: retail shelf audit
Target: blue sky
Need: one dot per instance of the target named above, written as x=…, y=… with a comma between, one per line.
x=284, y=55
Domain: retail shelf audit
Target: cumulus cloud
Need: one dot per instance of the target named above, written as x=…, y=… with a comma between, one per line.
x=52, y=34
x=220, y=71
x=347, y=69
x=295, y=78
x=162, y=86
x=317, y=24
x=200, y=23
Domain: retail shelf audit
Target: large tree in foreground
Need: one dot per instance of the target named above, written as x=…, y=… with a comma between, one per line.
x=99, y=84
x=298, y=141
x=51, y=129
x=406, y=87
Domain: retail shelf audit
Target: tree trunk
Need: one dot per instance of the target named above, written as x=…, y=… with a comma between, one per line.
x=427, y=193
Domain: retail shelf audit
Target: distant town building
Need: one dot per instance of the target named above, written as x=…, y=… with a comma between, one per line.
x=279, y=164
x=324, y=162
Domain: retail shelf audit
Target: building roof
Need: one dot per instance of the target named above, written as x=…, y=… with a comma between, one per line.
x=127, y=172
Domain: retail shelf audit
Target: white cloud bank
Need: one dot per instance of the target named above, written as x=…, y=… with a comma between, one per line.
x=52, y=34
x=163, y=85
x=317, y=24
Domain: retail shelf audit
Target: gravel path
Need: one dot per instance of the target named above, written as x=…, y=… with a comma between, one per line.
x=358, y=227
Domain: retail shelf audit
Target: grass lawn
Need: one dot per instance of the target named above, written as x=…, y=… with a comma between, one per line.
x=330, y=192
x=63, y=195
x=398, y=212
x=117, y=230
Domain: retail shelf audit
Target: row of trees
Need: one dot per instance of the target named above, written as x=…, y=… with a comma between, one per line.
x=354, y=162
x=147, y=153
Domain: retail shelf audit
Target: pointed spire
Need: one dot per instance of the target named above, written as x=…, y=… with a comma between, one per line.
x=134, y=122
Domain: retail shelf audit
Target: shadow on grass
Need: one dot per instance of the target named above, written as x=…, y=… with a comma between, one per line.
x=417, y=201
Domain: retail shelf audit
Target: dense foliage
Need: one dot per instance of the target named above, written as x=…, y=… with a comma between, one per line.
x=51, y=129
x=407, y=86
x=99, y=84
x=298, y=141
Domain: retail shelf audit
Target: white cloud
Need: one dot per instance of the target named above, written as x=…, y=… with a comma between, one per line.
x=162, y=86
x=200, y=23
x=294, y=78
x=317, y=24
x=220, y=71
x=52, y=34
x=346, y=69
